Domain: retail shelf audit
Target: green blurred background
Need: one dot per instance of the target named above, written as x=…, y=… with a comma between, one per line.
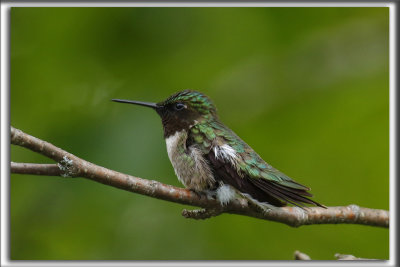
x=307, y=88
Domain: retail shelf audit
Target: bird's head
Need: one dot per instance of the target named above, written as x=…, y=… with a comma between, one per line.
x=181, y=111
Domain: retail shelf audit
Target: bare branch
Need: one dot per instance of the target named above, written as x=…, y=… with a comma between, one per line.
x=70, y=165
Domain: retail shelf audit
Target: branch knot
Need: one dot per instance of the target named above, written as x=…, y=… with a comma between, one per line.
x=66, y=166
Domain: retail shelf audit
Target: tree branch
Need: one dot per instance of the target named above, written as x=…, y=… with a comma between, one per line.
x=69, y=165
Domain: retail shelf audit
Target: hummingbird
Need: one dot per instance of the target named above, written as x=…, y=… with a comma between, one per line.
x=210, y=158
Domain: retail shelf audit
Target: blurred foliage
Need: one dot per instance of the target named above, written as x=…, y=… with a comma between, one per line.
x=307, y=88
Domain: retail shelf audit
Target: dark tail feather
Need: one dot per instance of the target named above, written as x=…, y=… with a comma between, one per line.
x=267, y=188
x=285, y=193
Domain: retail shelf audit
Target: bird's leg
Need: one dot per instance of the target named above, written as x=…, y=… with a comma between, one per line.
x=210, y=193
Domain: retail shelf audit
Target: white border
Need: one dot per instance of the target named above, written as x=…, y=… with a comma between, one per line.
x=5, y=140
x=194, y=4
x=392, y=134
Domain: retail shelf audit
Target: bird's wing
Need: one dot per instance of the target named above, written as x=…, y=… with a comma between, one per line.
x=237, y=164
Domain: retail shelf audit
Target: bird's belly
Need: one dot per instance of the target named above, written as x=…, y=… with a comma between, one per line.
x=190, y=166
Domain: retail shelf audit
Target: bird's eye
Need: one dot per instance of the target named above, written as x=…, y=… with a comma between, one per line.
x=179, y=106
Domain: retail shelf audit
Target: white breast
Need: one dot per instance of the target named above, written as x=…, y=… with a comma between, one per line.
x=172, y=142
x=189, y=163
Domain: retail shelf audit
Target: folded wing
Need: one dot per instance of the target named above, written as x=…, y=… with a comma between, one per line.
x=259, y=180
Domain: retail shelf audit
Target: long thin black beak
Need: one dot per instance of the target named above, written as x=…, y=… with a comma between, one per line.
x=140, y=103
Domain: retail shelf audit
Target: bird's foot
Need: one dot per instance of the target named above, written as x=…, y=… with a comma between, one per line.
x=203, y=194
x=264, y=207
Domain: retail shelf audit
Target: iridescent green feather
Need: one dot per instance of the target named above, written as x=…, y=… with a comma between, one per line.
x=253, y=165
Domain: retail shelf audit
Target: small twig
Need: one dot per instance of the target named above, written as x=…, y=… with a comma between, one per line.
x=301, y=256
x=36, y=169
x=351, y=258
x=70, y=165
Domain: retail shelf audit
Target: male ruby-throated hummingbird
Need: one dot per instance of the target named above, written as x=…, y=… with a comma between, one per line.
x=209, y=157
